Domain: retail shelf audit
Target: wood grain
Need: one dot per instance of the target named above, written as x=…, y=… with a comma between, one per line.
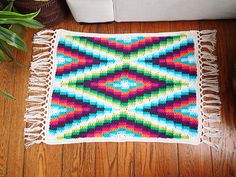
x=42, y=160
x=16, y=144
x=155, y=159
x=79, y=159
x=145, y=158
x=200, y=155
x=224, y=162
x=125, y=150
x=7, y=84
x=144, y=153
x=117, y=159
x=106, y=153
x=126, y=159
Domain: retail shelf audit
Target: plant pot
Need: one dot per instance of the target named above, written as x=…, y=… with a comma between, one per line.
x=52, y=12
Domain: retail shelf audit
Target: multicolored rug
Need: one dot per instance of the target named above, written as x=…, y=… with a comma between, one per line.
x=87, y=87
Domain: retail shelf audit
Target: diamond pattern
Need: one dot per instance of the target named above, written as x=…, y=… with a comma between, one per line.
x=124, y=86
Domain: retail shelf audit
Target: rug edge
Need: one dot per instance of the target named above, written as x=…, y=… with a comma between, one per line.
x=210, y=103
x=44, y=42
x=41, y=74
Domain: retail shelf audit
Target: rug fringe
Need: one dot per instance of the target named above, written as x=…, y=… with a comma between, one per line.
x=38, y=89
x=210, y=103
x=40, y=82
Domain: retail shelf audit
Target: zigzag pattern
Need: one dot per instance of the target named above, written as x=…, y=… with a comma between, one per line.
x=129, y=86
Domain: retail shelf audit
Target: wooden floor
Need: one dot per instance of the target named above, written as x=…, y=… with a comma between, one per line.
x=117, y=159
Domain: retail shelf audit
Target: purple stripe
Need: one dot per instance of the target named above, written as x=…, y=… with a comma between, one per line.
x=78, y=54
x=125, y=121
x=94, y=85
x=156, y=61
x=155, y=110
x=134, y=48
x=70, y=118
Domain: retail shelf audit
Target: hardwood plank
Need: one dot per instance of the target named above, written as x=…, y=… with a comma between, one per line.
x=40, y=159
x=144, y=153
x=106, y=153
x=200, y=163
x=224, y=161
x=195, y=160
x=16, y=144
x=125, y=150
x=79, y=159
x=112, y=159
x=145, y=156
x=43, y=161
x=156, y=159
x=166, y=159
x=7, y=83
x=126, y=159
x=152, y=159
x=106, y=159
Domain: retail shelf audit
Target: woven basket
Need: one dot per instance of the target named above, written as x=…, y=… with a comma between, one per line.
x=52, y=12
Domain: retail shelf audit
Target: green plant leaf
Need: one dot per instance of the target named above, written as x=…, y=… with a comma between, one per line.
x=6, y=15
x=6, y=51
x=2, y=57
x=20, y=64
x=12, y=39
x=27, y=23
x=8, y=7
x=8, y=95
x=32, y=24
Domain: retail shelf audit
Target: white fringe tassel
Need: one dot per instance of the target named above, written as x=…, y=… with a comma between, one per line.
x=209, y=89
x=39, y=84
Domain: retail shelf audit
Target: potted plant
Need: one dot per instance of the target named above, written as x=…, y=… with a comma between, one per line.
x=52, y=11
x=8, y=37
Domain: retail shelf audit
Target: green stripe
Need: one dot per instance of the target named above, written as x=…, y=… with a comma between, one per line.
x=141, y=51
x=143, y=122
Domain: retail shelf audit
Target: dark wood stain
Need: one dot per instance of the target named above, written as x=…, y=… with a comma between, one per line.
x=118, y=159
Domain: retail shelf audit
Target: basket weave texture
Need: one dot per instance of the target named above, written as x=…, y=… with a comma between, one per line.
x=52, y=12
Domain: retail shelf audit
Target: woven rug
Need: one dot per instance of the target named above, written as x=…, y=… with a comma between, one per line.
x=157, y=87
